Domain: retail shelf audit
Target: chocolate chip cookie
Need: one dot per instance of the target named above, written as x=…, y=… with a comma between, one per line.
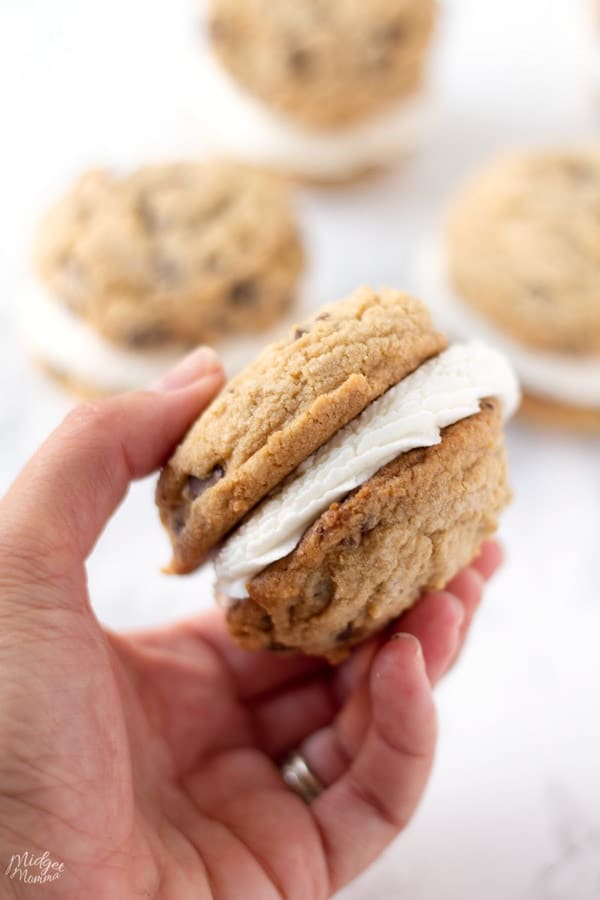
x=324, y=63
x=184, y=253
x=524, y=246
x=346, y=470
x=519, y=264
x=409, y=528
x=287, y=403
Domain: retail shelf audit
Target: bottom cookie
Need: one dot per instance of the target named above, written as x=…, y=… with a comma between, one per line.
x=362, y=176
x=552, y=414
x=79, y=390
x=356, y=178
x=409, y=528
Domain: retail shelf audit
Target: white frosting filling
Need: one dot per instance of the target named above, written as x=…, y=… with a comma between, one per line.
x=555, y=376
x=244, y=127
x=73, y=348
x=411, y=414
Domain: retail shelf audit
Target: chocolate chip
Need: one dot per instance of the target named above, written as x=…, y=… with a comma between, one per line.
x=540, y=293
x=213, y=262
x=298, y=332
x=215, y=210
x=347, y=633
x=392, y=33
x=300, y=61
x=177, y=521
x=323, y=589
x=379, y=53
x=318, y=593
x=368, y=525
x=147, y=214
x=488, y=404
x=264, y=621
x=579, y=171
x=244, y=293
x=197, y=486
x=152, y=336
x=167, y=271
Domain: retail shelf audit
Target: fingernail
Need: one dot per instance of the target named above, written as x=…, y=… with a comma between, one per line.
x=490, y=570
x=458, y=607
x=200, y=362
x=416, y=644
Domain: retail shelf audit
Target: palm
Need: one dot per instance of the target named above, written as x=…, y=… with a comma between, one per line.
x=161, y=779
x=203, y=728
x=159, y=764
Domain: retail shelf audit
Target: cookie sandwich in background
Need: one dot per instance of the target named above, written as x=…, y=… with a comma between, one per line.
x=348, y=468
x=518, y=264
x=135, y=269
x=322, y=91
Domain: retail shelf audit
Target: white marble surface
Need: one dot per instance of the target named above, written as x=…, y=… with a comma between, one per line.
x=513, y=809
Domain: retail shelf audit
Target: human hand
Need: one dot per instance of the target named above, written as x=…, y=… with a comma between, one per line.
x=147, y=764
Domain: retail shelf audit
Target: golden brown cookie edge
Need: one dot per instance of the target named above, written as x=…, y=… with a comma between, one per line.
x=260, y=622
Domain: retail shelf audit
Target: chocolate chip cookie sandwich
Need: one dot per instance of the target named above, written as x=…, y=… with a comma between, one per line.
x=518, y=264
x=347, y=469
x=138, y=268
x=321, y=90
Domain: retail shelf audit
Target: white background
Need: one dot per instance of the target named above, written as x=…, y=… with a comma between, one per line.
x=513, y=810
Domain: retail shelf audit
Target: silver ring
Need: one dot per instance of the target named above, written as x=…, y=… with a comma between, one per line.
x=297, y=775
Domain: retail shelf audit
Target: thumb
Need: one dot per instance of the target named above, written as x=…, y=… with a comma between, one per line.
x=58, y=506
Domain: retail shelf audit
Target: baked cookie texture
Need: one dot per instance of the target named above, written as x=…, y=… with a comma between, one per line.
x=411, y=527
x=552, y=414
x=183, y=253
x=524, y=248
x=324, y=63
x=284, y=406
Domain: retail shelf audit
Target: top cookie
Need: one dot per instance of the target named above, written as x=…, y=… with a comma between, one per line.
x=184, y=252
x=292, y=399
x=524, y=248
x=325, y=63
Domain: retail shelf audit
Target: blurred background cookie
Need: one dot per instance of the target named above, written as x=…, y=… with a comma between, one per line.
x=519, y=264
x=378, y=456
x=322, y=90
x=140, y=267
